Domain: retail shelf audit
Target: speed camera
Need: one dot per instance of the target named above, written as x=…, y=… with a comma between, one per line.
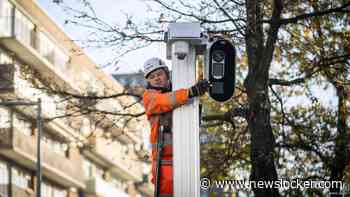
x=221, y=70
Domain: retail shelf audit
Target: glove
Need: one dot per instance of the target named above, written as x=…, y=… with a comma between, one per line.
x=199, y=88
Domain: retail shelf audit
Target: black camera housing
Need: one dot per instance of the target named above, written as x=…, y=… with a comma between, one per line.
x=222, y=66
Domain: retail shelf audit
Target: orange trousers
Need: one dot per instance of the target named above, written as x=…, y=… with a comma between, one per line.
x=166, y=177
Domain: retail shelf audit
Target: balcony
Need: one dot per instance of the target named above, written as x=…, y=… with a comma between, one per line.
x=100, y=187
x=22, y=149
x=17, y=191
x=29, y=53
x=5, y=190
x=15, y=87
x=112, y=153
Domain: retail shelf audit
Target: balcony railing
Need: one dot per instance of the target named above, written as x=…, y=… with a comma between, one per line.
x=102, y=188
x=16, y=191
x=21, y=38
x=124, y=166
x=22, y=148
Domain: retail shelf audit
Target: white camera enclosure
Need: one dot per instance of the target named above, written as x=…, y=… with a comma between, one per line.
x=189, y=32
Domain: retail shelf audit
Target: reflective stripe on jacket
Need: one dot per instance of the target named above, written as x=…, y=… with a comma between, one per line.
x=156, y=103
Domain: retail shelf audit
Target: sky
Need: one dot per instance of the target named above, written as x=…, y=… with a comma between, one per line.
x=111, y=11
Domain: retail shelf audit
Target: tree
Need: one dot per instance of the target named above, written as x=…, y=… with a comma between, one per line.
x=321, y=50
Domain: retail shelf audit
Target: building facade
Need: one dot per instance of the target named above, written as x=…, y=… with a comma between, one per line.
x=133, y=82
x=93, y=154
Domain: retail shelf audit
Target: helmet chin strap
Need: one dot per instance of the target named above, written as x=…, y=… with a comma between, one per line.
x=162, y=89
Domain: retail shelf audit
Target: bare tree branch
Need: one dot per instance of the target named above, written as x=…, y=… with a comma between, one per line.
x=340, y=9
x=191, y=15
x=233, y=20
x=91, y=97
x=323, y=64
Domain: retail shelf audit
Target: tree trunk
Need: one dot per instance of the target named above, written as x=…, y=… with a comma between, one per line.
x=262, y=139
x=341, y=154
x=256, y=84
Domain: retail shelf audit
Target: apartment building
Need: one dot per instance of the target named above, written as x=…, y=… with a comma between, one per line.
x=134, y=82
x=83, y=154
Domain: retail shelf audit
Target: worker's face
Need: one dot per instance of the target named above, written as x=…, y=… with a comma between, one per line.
x=158, y=78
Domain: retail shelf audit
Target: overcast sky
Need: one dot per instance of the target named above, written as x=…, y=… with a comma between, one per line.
x=111, y=11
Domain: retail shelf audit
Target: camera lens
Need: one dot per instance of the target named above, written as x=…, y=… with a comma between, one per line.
x=218, y=56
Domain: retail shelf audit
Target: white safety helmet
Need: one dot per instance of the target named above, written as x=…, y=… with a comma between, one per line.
x=153, y=64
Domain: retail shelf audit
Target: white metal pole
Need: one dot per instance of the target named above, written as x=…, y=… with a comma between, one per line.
x=185, y=124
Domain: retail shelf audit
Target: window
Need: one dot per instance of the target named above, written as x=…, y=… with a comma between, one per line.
x=46, y=47
x=4, y=174
x=55, y=145
x=46, y=190
x=92, y=170
x=5, y=17
x=50, y=105
x=21, y=178
x=22, y=125
x=50, y=190
x=4, y=118
x=117, y=183
x=85, y=128
x=87, y=167
x=52, y=53
x=61, y=105
x=4, y=178
x=61, y=59
x=23, y=28
x=4, y=58
x=58, y=192
x=99, y=172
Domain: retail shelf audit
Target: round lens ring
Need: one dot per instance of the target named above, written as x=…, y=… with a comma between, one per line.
x=218, y=55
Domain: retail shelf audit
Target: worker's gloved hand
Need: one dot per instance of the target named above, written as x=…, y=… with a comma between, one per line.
x=199, y=88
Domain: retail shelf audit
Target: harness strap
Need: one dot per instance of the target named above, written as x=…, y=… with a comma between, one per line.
x=166, y=162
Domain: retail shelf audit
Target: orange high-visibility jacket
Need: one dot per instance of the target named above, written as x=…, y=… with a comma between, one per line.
x=156, y=104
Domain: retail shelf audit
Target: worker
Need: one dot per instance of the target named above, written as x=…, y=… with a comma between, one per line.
x=159, y=101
